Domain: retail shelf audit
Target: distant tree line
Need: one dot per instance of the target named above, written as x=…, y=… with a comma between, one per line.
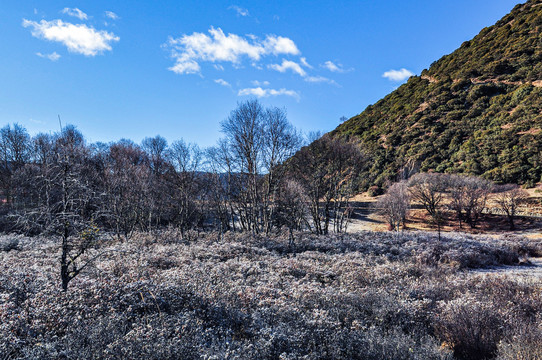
x=59, y=185
x=464, y=196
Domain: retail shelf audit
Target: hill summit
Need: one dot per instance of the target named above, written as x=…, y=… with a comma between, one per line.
x=476, y=111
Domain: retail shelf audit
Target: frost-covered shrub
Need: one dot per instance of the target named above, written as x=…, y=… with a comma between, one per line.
x=239, y=296
x=525, y=344
x=471, y=328
x=8, y=243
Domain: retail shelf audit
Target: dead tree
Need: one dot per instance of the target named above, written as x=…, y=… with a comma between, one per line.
x=328, y=170
x=15, y=152
x=292, y=208
x=222, y=186
x=395, y=204
x=429, y=190
x=509, y=197
x=58, y=197
x=281, y=141
x=125, y=178
x=185, y=182
x=244, y=130
x=477, y=192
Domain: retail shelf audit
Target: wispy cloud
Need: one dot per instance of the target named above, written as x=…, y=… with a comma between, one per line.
x=239, y=10
x=260, y=83
x=398, y=75
x=296, y=68
x=259, y=92
x=288, y=65
x=320, y=79
x=80, y=39
x=305, y=63
x=222, y=82
x=189, y=50
x=111, y=15
x=331, y=66
x=53, y=56
x=75, y=12
x=39, y=122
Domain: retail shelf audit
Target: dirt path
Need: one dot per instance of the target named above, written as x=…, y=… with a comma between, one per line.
x=532, y=271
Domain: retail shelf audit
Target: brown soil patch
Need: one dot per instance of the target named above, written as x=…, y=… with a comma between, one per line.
x=495, y=81
x=429, y=78
x=423, y=106
x=532, y=131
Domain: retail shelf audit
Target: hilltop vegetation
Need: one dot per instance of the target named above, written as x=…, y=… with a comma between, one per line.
x=476, y=111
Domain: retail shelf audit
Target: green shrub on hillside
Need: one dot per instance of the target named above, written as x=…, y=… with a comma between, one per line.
x=476, y=111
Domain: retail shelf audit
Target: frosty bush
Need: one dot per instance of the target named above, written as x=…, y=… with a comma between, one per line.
x=364, y=296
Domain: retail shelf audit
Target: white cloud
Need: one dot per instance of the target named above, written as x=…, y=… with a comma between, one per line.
x=111, y=15
x=186, y=67
x=398, y=75
x=259, y=92
x=80, y=38
x=75, y=12
x=288, y=65
x=320, y=79
x=239, y=10
x=189, y=50
x=305, y=63
x=260, y=83
x=222, y=82
x=280, y=45
x=333, y=67
x=53, y=56
x=296, y=68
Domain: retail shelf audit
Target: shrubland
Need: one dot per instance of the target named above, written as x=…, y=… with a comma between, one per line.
x=237, y=295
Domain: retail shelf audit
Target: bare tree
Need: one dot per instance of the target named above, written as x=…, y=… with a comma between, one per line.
x=395, y=204
x=476, y=191
x=59, y=198
x=257, y=142
x=244, y=130
x=185, y=180
x=281, y=141
x=157, y=150
x=15, y=152
x=292, y=208
x=509, y=197
x=429, y=190
x=223, y=185
x=328, y=169
x=125, y=180
x=458, y=197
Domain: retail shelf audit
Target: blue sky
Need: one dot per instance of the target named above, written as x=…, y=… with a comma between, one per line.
x=131, y=69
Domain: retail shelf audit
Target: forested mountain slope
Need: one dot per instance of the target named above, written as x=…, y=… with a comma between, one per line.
x=475, y=111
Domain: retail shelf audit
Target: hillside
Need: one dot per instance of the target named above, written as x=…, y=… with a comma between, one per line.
x=475, y=111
